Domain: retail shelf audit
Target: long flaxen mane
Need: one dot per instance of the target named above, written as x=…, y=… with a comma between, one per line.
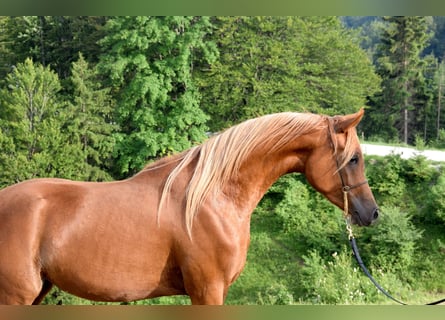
x=220, y=158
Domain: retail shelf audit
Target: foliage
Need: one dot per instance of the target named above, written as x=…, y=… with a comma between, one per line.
x=369, y=32
x=299, y=208
x=90, y=121
x=340, y=281
x=273, y=64
x=402, y=69
x=436, y=205
x=391, y=244
x=384, y=179
x=148, y=62
x=336, y=281
x=49, y=40
x=31, y=123
x=418, y=170
x=437, y=43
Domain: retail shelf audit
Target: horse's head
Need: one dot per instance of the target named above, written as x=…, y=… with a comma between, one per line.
x=336, y=166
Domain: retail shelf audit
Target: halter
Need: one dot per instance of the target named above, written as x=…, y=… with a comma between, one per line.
x=344, y=187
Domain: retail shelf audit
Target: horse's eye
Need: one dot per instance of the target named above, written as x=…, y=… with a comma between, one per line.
x=354, y=159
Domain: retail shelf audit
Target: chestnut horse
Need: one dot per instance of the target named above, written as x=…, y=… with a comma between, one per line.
x=182, y=224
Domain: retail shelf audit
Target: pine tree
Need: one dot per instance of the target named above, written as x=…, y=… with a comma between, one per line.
x=149, y=61
x=401, y=67
x=437, y=43
x=440, y=96
x=32, y=138
x=89, y=122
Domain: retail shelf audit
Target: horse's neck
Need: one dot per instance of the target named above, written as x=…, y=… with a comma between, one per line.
x=258, y=174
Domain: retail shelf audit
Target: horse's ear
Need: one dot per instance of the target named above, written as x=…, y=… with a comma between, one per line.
x=343, y=123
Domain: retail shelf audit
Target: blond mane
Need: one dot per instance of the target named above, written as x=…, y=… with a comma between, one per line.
x=220, y=157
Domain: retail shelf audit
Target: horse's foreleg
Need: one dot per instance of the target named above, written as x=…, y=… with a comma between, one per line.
x=23, y=290
x=205, y=286
x=22, y=294
x=45, y=289
x=210, y=294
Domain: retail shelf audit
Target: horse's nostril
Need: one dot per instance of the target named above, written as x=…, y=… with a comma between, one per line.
x=376, y=213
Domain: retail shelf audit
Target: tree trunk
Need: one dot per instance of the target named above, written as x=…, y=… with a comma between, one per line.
x=439, y=99
x=405, y=110
x=405, y=124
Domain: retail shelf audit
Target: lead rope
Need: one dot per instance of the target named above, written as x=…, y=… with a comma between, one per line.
x=355, y=248
x=357, y=255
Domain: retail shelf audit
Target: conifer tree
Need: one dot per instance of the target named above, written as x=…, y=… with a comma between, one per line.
x=49, y=40
x=89, y=121
x=148, y=61
x=32, y=117
x=400, y=64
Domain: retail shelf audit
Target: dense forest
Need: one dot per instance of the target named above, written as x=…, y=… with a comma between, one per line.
x=116, y=92
x=97, y=98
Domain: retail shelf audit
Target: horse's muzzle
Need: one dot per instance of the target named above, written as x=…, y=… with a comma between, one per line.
x=365, y=220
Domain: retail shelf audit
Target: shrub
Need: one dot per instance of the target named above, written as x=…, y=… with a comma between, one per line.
x=339, y=280
x=419, y=170
x=309, y=218
x=336, y=281
x=437, y=199
x=440, y=141
x=390, y=244
x=385, y=176
x=277, y=294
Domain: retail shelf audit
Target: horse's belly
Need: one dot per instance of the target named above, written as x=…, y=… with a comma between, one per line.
x=118, y=266
x=107, y=279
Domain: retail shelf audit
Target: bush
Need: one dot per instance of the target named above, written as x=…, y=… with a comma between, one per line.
x=418, y=170
x=437, y=199
x=385, y=176
x=390, y=244
x=277, y=294
x=340, y=280
x=440, y=141
x=307, y=217
x=336, y=281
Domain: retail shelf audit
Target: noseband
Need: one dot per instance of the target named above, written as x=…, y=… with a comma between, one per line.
x=345, y=189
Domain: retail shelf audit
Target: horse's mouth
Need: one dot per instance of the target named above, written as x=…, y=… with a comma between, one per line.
x=357, y=219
